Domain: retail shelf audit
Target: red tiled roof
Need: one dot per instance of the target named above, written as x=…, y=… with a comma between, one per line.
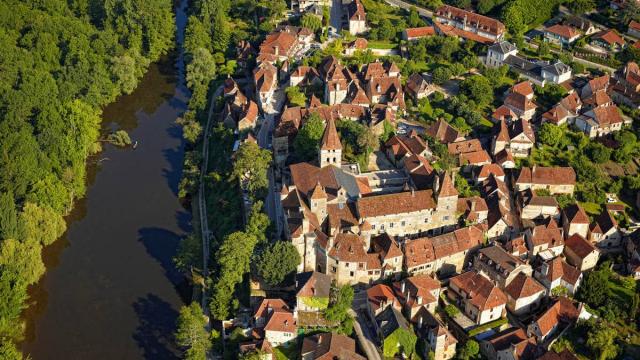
x=575, y=214
x=488, y=169
x=607, y=115
x=398, y=203
x=634, y=25
x=484, y=23
x=419, y=32
x=579, y=246
x=610, y=37
x=281, y=321
x=443, y=132
x=483, y=294
x=562, y=310
x=380, y=295
x=450, y=30
x=330, y=138
x=523, y=286
x=464, y=146
x=503, y=112
x=547, y=175
x=475, y=158
x=523, y=88
x=348, y=247
x=447, y=188
x=564, y=31
x=266, y=304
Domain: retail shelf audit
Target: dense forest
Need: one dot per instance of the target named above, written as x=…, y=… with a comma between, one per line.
x=61, y=62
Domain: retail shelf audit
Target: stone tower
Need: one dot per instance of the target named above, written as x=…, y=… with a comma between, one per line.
x=447, y=200
x=330, y=146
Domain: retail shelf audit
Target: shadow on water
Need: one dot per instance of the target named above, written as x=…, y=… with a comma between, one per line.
x=174, y=157
x=156, y=324
x=162, y=245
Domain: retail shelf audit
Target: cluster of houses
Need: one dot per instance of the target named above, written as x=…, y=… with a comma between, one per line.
x=402, y=232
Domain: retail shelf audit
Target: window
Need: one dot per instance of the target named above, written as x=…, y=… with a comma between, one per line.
x=426, y=220
x=333, y=269
x=382, y=227
x=373, y=226
x=351, y=273
x=402, y=223
x=391, y=225
x=446, y=218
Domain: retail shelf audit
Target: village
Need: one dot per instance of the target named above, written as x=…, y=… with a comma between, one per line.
x=454, y=192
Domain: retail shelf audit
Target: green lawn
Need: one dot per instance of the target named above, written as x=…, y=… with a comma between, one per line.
x=591, y=208
x=289, y=352
x=381, y=44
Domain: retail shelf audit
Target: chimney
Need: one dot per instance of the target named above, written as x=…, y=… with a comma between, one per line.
x=403, y=286
x=419, y=299
x=473, y=205
x=276, y=50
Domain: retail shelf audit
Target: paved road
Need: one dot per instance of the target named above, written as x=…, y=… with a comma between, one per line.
x=364, y=336
x=406, y=5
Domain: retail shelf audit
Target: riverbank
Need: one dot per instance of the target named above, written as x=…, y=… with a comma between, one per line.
x=111, y=290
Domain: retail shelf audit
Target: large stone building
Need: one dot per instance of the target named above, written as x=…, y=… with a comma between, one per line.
x=334, y=225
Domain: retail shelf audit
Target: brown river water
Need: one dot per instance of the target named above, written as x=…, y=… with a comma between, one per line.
x=111, y=290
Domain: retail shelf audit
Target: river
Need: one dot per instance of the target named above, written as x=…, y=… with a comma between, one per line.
x=111, y=291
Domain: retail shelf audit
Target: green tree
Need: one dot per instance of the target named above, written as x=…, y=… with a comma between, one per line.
x=484, y=6
x=201, y=69
x=338, y=309
x=368, y=141
x=8, y=351
x=414, y=18
x=451, y=310
x=233, y=257
x=478, y=88
x=581, y=6
x=8, y=216
x=543, y=48
x=468, y=351
x=251, y=165
x=311, y=21
x=295, y=96
x=191, y=334
x=386, y=31
x=601, y=341
x=550, y=134
x=277, y=261
x=258, y=222
x=40, y=223
x=598, y=152
x=594, y=289
x=307, y=142
x=125, y=73
x=441, y=74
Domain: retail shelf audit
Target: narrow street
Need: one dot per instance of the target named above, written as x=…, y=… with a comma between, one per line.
x=406, y=5
x=365, y=334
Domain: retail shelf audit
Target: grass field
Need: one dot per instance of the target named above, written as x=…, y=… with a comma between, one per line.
x=381, y=44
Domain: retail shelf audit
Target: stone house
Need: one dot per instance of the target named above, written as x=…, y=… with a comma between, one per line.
x=524, y=294
x=418, y=87
x=313, y=291
x=435, y=334
x=329, y=346
x=580, y=252
x=562, y=35
x=481, y=26
x=575, y=221
x=379, y=298
x=605, y=233
x=500, y=266
x=546, y=238
x=536, y=207
x=443, y=254
x=417, y=292
x=509, y=344
x=357, y=17
x=557, y=272
x=477, y=297
x=561, y=314
x=557, y=180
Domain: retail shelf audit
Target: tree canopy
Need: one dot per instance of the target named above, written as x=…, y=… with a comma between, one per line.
x=191, y=334
x=62, y=62
x=276, y=261
x=307, y=142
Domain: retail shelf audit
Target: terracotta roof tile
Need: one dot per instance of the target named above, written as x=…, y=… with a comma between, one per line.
x=414, y=33
x=398, y=203
x=562, y=311
x=523, y=286
x=579, y=245
x=482, y=293
x=564, y=31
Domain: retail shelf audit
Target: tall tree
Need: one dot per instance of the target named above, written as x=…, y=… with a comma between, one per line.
x=251, y=165
x=8, y=216
x=191, y=333
x=277, y=261
x=307, y=142
x=601, y=341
